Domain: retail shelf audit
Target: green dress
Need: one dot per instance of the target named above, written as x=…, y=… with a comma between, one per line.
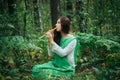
x=58, y=68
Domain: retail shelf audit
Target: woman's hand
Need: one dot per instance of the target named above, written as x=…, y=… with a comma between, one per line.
x=50, y=36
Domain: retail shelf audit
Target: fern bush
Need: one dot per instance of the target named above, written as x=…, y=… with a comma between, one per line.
x=99, y=55
x=17, y=55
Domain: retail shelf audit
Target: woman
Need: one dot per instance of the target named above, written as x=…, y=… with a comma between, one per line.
x=63, y=46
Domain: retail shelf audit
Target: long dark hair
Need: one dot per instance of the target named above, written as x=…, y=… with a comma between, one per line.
x=65, y=28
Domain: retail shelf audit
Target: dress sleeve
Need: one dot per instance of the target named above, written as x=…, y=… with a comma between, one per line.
x=50, y=53
x=64, y=51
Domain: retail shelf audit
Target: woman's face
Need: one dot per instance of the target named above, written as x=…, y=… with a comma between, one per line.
x=58, y=25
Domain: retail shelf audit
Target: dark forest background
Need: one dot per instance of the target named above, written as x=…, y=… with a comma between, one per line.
x=96, y=24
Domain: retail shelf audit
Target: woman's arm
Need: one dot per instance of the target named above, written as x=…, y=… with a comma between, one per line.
x=57, y=49
x=50, y=35
x=63, y=51
x=50, y=53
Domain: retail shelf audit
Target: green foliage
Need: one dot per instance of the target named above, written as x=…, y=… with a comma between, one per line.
x=17, y=56
x=100, y=55
x=83, y=76
x=16, y=43
x=94, y=16
x=6, y=25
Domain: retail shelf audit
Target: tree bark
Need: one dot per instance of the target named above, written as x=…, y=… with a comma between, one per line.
x=37, y=15
x=55, y=10
x=79, y=9
x=69, y=9
x=24, y=19
x=12, y=13
x=1, y=6
x=11, y=7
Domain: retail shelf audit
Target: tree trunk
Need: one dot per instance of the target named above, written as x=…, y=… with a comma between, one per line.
x=79, y=9
x=37, y=15
x=69, y=9
x=43, y=1
x=24, y=19
x=1, y=6
x=12, y=12
x=55, y=10
x=11, y=7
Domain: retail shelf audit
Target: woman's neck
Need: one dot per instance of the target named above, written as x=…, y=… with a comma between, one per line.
x=65, y=35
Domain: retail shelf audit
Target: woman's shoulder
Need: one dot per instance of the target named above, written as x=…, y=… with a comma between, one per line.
x=69, y=36
x=72, y=36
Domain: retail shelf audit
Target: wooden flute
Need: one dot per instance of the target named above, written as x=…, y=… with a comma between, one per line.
x=51, y=30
